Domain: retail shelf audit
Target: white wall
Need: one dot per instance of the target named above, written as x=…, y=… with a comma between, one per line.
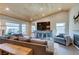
x=57, y=18
x=73, y=28
x=62, y=17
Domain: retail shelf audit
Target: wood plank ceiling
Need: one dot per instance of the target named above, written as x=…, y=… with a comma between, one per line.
x=32, y=11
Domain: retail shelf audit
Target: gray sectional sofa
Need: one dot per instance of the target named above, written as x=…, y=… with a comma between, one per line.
x=63, y=39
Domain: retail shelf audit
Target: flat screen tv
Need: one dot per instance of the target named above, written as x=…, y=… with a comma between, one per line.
x=43, y=26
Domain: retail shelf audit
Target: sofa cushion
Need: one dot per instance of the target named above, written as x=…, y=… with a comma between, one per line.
x=60, y=35
x=17, y=35
x=38, y=41
x=24, y=39
x=13, y=38
x=27, y=37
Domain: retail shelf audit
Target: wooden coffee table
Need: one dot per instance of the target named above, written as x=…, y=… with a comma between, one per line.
x=15, y=49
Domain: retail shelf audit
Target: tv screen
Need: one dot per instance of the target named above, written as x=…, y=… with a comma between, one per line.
x=43, y=26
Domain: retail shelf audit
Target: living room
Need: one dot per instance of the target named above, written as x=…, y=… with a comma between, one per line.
x=36, y=29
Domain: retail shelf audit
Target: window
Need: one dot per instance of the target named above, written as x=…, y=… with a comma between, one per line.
x=60, y=28
x=33, y=29
x=12, y=28
x=24, y=29
x=15, y=28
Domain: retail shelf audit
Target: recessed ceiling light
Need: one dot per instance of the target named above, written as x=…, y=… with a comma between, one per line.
x=59, y=8
x=7, y=9
x=41, y=9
